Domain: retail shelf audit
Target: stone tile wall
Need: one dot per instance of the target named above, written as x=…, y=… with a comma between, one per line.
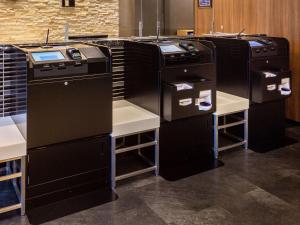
x=28, y=20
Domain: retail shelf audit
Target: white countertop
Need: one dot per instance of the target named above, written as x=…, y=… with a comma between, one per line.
x=12, y=143
x=228, y=104
x=129, y=118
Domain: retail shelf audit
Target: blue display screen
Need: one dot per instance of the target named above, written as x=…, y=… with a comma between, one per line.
x=170, y=49
x=255, y=44
x=47, y=56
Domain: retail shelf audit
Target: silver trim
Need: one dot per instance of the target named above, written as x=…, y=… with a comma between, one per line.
x=242, y=141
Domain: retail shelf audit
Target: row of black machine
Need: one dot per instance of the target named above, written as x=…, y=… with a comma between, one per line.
x=69, y=105
x=257, y=68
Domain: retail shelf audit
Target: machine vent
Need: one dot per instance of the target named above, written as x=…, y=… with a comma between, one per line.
x=118, y=58
x=13, y=81
x=118, y=66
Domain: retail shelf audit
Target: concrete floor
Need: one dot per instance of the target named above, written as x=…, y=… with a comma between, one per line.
x=251, y=189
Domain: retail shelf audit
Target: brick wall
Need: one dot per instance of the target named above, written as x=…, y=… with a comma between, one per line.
x=28, y=20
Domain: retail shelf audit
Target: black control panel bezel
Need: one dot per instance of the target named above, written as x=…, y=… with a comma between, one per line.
x=268, y=48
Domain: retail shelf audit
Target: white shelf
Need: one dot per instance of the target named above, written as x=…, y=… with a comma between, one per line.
x=12, y=143
x=129, y=118
x=230, y=104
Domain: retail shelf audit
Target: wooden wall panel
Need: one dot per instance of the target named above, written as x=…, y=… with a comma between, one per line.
x=272, y=17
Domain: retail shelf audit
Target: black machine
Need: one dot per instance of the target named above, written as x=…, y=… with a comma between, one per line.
x=257, y=67
x=177, y=80
x=69, y=119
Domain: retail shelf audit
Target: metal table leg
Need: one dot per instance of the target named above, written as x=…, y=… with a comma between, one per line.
x=225, y=122
x=13, y=175
x=113, y=163
x=23, y=184
x=157, y=152
x=154, y=166
x=246, y=129
x=216, y=135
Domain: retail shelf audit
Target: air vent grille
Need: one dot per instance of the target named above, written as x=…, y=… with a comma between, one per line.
x=118, y=66
x=13, y=81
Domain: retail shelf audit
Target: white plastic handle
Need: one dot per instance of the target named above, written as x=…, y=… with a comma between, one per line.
x=286, y=92
x=205, y=108
x=271, y=87
x=185, y=102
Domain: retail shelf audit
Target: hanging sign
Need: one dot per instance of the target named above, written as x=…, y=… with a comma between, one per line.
x=205, y=3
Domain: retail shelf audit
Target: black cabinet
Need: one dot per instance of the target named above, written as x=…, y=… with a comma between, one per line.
x=69, y=119
x=267, y=125
x=69, y=109
x=58, y=167
x=185, y=141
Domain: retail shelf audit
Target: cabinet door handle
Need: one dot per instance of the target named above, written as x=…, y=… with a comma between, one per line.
x=271, y=87
x=185, y=102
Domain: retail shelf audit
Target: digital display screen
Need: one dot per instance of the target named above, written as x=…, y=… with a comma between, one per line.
x=170, y=49
x=47, y=56
x=255, y=44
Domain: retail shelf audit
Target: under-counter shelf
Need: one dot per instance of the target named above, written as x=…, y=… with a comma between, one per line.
x=135, y=130
x=13, y=153
x=227, y=107
x=12, y=143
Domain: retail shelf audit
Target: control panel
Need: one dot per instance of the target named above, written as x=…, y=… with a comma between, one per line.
x=261, y=47
x=184, y=52
x=61, y=60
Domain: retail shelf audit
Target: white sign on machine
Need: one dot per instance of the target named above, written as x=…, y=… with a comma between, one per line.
x=204, y=102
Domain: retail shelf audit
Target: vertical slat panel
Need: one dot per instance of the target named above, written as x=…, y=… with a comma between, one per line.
x=13, y=81
x=1, y=80
x=118, y=63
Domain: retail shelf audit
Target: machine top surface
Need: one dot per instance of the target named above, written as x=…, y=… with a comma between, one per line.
x=178, y=51
x=63, y=52
x=59, y=60
x=259, y=45
x=181, y=46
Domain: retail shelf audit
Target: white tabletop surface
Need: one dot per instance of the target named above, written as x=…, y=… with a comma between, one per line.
x=129, y=118
x=228, y=104
x=12, y=143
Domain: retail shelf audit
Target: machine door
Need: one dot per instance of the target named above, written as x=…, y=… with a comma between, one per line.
x=67, y=160
x=188, y=98
x=270, y=86
x=63, y=170
x=270, y=79
x=183, y=72
x=64, y=110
